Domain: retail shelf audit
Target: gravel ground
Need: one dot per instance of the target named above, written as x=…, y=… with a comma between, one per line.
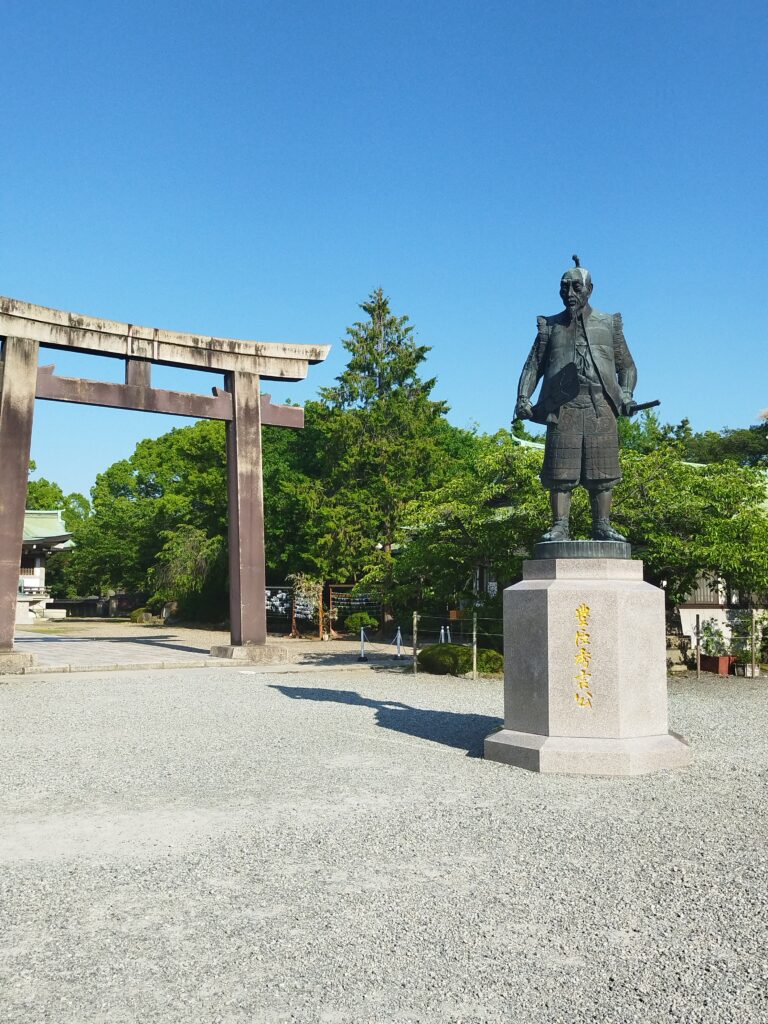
x=224, y=846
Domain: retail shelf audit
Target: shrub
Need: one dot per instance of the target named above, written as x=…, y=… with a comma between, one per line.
x=138, y=613
x=360, y=620
x=455, y=660
x=712, y=639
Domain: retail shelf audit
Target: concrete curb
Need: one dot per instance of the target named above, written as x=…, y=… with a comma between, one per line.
x=217, y=663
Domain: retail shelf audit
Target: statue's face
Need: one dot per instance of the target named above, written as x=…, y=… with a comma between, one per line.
x=575, y=290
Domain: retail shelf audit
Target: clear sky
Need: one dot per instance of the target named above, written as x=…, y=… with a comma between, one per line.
x=254, y=170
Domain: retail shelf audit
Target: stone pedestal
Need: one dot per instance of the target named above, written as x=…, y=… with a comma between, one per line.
x=259, y=654
x=585, y=679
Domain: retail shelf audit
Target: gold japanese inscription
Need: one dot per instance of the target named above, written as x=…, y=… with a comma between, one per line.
x=583, y=657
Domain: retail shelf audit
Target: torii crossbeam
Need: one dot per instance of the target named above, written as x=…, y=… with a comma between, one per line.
x=26, y=328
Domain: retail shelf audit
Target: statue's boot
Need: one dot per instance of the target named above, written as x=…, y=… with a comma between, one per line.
x=600, y=503
x=561, y=511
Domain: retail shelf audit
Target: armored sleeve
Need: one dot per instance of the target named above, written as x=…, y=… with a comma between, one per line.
x=536, y=361
x=625, y=364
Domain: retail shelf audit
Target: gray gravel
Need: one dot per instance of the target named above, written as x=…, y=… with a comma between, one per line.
x=219, y=846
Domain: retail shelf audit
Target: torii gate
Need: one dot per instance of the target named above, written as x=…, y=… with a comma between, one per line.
x=25, y=328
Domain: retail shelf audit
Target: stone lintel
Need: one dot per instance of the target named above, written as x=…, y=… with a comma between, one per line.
x=56, y=328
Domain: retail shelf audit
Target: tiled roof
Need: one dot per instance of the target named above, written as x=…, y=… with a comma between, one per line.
x=46, y=527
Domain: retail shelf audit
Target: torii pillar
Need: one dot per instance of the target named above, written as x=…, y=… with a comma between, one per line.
x=25, y=328
x=18, y=378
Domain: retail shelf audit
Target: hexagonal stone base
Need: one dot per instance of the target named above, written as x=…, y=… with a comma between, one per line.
x=587, y=756
x=585, y=671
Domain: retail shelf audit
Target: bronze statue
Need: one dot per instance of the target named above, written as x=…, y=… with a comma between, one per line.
x=589, y=380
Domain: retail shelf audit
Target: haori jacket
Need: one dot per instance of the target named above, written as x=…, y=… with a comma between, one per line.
x=553, y=358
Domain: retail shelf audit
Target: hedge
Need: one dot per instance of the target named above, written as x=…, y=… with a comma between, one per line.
x=455, y=660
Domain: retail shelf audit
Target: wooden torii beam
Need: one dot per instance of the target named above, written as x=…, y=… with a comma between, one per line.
x=25, y=328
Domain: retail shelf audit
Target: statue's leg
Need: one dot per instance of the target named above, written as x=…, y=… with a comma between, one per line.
x=562, y=467
x=560, y=501
x=600, y=503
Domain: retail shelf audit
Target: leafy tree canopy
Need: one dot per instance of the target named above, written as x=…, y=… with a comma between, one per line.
x=45, y=494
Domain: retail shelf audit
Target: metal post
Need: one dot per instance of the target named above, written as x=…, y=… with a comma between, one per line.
x=398, y=642
x=754, y=663
x=415, y=643
x=17, y=401
x=474, y=645
x=442, y=634
x=698, y=647
x=320, y=618
x=362, y=645
x=247, y=586
x=448, y=634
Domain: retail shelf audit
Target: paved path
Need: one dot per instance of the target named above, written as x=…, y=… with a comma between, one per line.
x=102, y=645
x=223, y=846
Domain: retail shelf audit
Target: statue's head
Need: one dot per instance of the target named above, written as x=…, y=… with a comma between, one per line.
x=575, y=288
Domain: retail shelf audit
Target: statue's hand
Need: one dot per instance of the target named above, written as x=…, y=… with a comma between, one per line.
x=628, y=404
x=523, y=409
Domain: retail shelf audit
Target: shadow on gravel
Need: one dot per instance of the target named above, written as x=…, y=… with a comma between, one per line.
x=466, y=732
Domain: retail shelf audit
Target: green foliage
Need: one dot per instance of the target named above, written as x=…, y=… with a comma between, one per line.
x=521, y=429
x=683, y=520
x=645, y=432
x=747, y=446
x=490, y=512
x=360, y=620
x=687, y=520
x=159, y=523
x=712, y=639
x=455, y=660
x=191, y=569
x=45, y=494
x=137, y=614
x=373, y=443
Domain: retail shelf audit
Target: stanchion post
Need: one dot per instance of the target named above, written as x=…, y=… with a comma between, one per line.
x=474, y=645
x=698, y=646
x=362, y=645
x=398, y=643
x=415, y=643
x=754, y=663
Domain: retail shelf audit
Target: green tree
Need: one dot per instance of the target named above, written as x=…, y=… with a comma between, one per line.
x=173, y=484
x=684, y=521
x=490, y=512
x=748, y=446
x=373, y=442
x=45, y=494
x=687, y=520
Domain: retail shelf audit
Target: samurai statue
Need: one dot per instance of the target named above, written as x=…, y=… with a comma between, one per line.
x=589, y=381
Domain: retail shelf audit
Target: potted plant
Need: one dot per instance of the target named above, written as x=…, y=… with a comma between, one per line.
x=714, y=651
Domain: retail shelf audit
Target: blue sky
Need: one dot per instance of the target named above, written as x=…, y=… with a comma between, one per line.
x=255, y=170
